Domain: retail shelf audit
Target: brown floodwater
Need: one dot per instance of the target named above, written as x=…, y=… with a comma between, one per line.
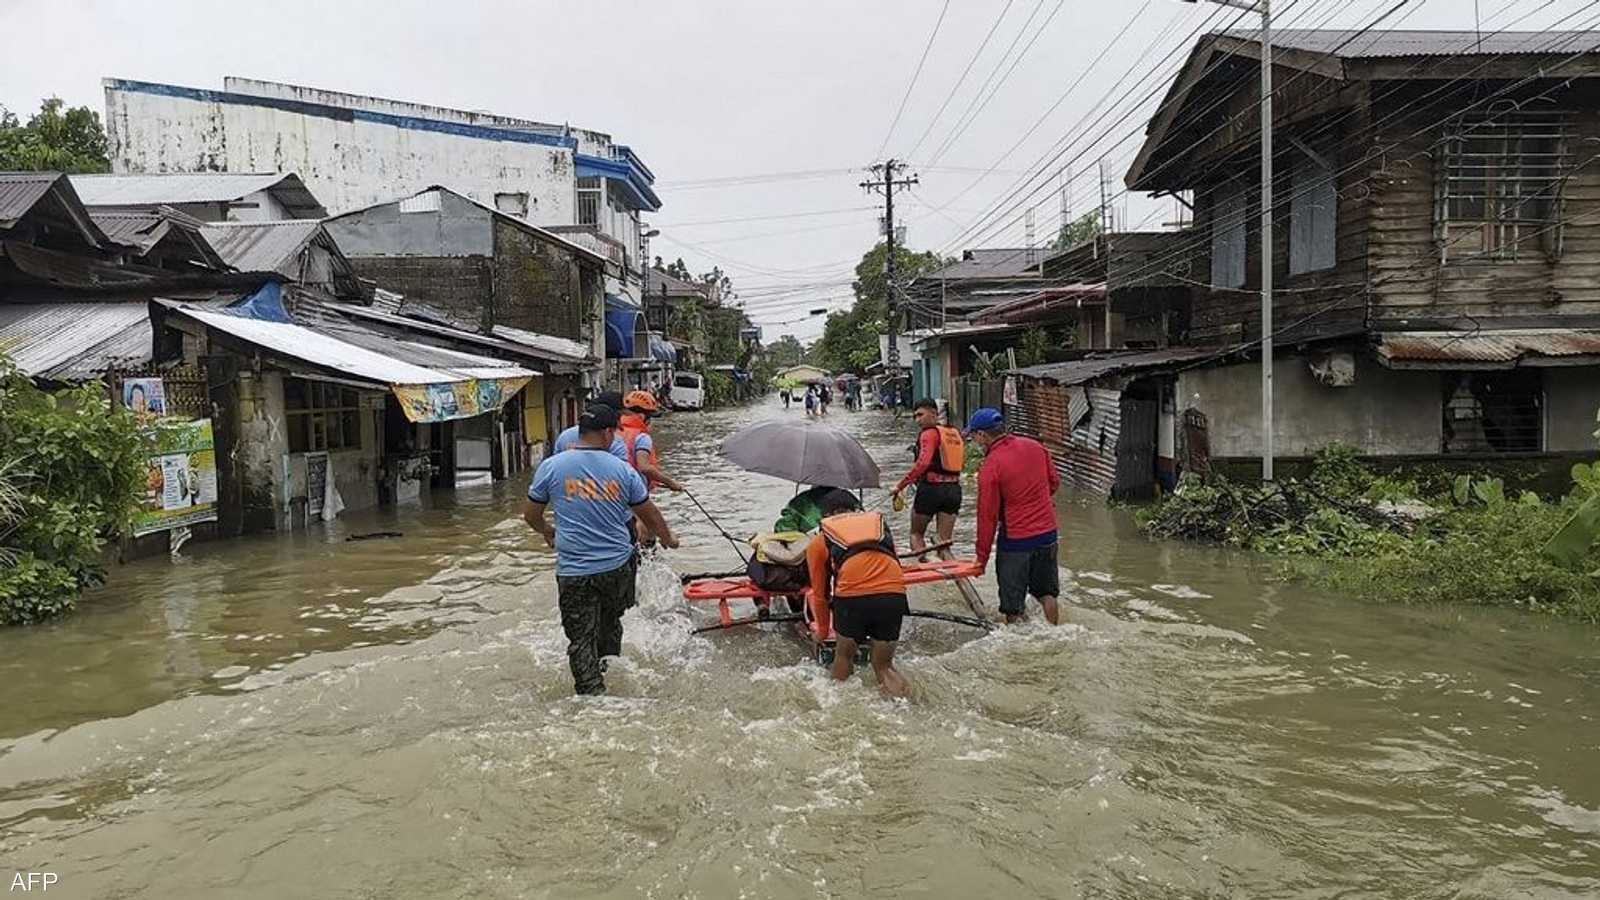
x=305, y=716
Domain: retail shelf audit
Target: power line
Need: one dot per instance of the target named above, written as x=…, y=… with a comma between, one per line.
x=959, y=81
x=1329, y=124
x=914, y=76
x=1185, y=247
x=753, y=179
x=794, y=215
x=979, y=100
x=1072, y=88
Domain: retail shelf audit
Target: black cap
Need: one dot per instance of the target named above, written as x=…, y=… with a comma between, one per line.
x=597, y=416
x=612, y=399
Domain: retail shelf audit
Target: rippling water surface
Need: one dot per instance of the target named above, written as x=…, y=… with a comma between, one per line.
x=309, y=717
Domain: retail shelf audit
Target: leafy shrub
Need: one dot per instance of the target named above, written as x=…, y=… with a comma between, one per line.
x=719, y=389
x=1478, y=545
x=74, y=467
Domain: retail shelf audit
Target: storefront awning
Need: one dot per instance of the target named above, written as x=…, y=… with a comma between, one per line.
x=452, y=385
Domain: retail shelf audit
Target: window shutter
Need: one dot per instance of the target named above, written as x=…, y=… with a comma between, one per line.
x=1313, y=218
x=1228, y=240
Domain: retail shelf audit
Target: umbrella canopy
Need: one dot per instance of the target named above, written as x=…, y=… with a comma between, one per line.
x=806, y=452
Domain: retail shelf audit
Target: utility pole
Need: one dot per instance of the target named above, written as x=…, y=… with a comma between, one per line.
x=1265, y=9
x=883, y=180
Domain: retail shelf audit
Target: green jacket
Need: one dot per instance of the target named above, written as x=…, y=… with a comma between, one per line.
x=802, y=513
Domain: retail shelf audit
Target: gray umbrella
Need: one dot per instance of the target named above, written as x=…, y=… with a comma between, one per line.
x=805, y=452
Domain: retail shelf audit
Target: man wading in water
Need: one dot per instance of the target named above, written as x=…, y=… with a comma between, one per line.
x=1015, y=485
x=937, y=474
x=854, y=570
x=594, y=497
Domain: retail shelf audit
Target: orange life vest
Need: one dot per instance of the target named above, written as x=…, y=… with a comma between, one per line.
x=952, y=453
x=855, y=533
x=632, y=427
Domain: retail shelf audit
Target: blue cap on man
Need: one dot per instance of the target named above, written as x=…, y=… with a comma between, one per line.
x=986, y=419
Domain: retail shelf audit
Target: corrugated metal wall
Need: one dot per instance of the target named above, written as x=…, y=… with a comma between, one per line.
x=1085, y=451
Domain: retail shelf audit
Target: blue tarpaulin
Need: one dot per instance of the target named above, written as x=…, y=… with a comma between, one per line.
x=622, y=315
x=265, y=305
x=662, y=350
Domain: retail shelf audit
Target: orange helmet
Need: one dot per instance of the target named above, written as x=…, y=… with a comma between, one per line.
x=641, y=401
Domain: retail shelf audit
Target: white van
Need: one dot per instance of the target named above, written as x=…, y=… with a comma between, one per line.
x=688, y=391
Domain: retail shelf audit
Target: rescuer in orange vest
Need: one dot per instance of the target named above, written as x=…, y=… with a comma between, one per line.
x=857, y=583
x=941, y=453
x=638, y=408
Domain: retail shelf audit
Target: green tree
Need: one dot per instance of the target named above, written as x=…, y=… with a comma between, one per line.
x=849, y=341
x=73, y=471
x=786, y=351
x=56, y=139
x=676, y=269
x=1038, y=345
x=1079, y=230
x=722, y=336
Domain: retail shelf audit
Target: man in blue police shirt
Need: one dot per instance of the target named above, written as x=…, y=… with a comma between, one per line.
x=568, y=438
x=594, y=497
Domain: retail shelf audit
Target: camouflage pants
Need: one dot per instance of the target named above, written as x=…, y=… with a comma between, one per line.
x=591, y=615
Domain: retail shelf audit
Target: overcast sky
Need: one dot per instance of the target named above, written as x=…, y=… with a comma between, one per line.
x=712, y=91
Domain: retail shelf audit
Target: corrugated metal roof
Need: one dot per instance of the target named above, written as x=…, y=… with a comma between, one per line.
x=140, y=230
x=998, y=262
x=1495, y=349
x=1349, y=44
x=175, y=188
x=510, y=340
x=40, y=337
x=1113, y=362
x=19, y=191
x=389, y=367
x=262, y=246
x=544, y=343
x=654, y=280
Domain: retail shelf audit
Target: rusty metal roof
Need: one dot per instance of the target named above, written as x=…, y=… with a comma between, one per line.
x=1114, y=362
x=1484, y=349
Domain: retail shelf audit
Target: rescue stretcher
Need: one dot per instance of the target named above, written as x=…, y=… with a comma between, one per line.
x=813, y=617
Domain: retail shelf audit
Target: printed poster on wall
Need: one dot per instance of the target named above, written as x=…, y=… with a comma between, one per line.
x=457, y=399
x=145, y=397
x=180, y=476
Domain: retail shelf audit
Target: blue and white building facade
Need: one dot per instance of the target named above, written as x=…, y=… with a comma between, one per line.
x=355, y=151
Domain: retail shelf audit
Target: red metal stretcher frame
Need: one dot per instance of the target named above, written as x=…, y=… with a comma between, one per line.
x=721, y=590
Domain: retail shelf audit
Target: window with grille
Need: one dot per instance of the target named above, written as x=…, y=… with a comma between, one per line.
x=591, y=199
x=1500, y=195
x=321, y=416
x=1228, y=238
x=1494, y=412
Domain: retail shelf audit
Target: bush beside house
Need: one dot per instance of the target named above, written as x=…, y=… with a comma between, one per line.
x=72, y=470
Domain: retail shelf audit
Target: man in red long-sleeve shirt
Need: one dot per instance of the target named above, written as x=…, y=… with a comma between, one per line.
x=937, y=475
x=1015, y=488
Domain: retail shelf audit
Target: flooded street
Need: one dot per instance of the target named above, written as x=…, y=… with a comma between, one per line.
x=308, y=716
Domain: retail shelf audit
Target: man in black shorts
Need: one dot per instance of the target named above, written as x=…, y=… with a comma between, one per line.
x=941, y=452
x=857, y=587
